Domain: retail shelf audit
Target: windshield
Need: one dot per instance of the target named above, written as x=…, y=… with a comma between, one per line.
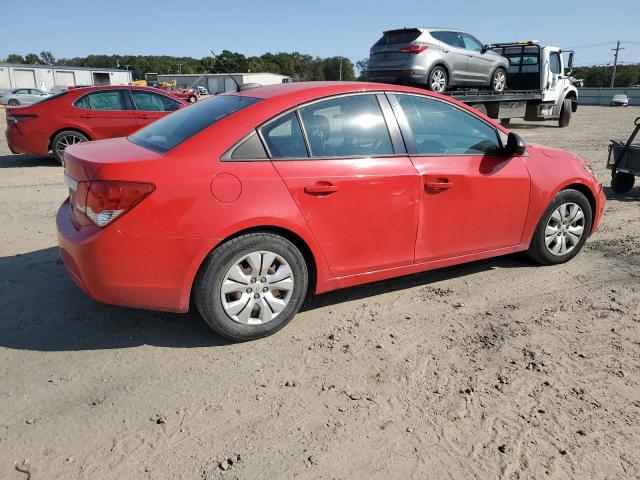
x=164, y=134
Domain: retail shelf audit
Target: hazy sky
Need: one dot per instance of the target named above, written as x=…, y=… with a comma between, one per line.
x=326, y=28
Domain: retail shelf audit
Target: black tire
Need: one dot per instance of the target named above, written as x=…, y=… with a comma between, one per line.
x=193, y=99
x=13, y=103
x=505, y=122
x=503, y=85
x=207, y=288
x=538, y=251
x=565, y=113
x=56, y=147
x=622, y=182
x=435, y=71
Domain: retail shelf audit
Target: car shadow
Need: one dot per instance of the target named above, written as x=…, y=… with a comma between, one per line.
x=632, y=195
x=22, y=160
x=532, y=125
x=43, y=310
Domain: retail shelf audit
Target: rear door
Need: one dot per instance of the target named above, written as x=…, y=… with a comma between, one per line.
x=473, y=198
x=151, y=106
x=106, y=113
x=386, y=54
x=454, y=54
x=356, y=188
x=479, y=65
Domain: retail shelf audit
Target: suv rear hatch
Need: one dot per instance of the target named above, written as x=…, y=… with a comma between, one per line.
x=393, y=50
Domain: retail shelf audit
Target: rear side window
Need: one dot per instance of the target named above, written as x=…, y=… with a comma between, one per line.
x=394, y=37
x=450, y=38
x=442, y=129
x=103, y=100
x=153, y=102
x=164, y=134
x=349, y=126
x=284, y=138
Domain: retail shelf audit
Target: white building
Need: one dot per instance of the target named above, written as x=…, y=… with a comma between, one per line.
x=222, y=82
x=55, y=77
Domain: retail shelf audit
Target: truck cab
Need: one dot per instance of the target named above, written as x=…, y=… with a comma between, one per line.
x=546, y=69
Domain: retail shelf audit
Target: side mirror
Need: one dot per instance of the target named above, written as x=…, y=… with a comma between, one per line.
x=485, y=48
x=515, y=145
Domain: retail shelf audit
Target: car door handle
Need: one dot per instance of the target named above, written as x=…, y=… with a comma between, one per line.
x=143, y=116
x=439, y=185
x=445, y=50
x=321, y=188
x=85, y=115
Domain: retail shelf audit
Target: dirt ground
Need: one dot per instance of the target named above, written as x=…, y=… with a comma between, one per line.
x=495, y=369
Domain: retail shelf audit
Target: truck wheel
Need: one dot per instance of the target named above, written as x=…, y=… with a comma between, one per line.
x=64, y=139
x=499, y=80
x=505, y=122
x=622, y=182
x=565, y=113
x=480, y=107
x=438, y=79
x=251, y=286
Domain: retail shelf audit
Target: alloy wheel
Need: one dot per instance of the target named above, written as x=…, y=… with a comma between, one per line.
x=565, y=228
x=438, y=80
x=13, y=102
x=499, y=81
x=257, y=288
x=65, y=142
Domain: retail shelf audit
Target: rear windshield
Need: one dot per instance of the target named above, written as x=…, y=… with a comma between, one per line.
x=164, y=134
x=393, y=37
x=48, y=98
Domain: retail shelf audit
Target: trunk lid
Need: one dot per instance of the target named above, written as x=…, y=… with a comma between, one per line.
x=84, y=160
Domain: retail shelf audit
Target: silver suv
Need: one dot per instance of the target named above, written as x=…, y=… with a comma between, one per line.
x=436, y=58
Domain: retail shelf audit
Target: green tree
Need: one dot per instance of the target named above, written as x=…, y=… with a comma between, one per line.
x=15, y=58
x=32, y=59
x=47, y=58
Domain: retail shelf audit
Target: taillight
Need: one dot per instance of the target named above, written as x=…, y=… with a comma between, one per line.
x=15, y=118
x=414, y=49
x=102, y=201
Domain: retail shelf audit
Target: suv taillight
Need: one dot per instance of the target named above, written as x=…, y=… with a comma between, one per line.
x=414, y=49
x=102, y=201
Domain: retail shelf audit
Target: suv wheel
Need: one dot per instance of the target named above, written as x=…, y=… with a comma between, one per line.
x=499, y=80
x=438, y=79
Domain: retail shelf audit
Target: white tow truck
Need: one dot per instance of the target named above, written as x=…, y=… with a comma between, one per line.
x=539, y=85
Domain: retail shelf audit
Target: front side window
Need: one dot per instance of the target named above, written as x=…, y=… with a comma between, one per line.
x=166, y=133
x=471, y=43
x=103, y=100
x=349, y=126
x=443, y=129
x=153, y=102
x=284, y=138
x=554, y=62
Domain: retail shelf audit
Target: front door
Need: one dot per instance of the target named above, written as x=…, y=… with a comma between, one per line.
x=359, y=198
x=473, y=199
x=479, y=64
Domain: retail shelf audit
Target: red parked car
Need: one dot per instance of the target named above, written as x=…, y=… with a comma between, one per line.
x=247, y=202
x=81, y=114
x=186, y=94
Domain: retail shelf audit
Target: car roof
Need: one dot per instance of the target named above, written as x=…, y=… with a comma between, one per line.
x=90, y=88
x=309, y=90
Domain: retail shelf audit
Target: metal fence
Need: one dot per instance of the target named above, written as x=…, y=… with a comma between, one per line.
x=603, y=96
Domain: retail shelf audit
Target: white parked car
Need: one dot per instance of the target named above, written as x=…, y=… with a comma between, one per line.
x=22, y=96
x=620, y=100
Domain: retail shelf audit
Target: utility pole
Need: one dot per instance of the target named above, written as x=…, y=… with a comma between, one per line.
x=179, y=68
x=615, y=63
x=340, y=68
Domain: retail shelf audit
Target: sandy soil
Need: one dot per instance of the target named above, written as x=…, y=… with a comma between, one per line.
x=496, y=369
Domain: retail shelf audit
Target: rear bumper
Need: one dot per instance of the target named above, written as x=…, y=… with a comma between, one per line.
x=397, y=77
x=20, y=142
x=143, y=272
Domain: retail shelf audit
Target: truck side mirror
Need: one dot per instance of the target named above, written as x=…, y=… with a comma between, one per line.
x=569, y=68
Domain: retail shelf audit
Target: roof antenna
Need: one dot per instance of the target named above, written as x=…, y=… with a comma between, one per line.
x=227, y=72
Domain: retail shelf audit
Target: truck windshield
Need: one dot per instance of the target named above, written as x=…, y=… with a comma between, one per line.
x=168, y=132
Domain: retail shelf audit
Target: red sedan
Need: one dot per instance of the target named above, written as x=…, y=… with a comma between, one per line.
x=247, y=202
x=81, y=114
